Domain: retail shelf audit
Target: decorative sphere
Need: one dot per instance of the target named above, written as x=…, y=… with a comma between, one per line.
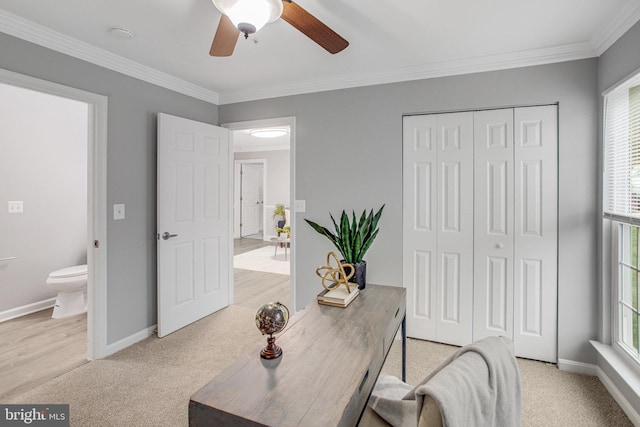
x=272, y=317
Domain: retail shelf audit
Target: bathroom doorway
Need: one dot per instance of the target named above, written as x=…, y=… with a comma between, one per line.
x=53, y=207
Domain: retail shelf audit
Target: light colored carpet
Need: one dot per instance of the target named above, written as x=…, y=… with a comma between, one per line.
x=150, y=383
x=263, y=259
x=550, y=397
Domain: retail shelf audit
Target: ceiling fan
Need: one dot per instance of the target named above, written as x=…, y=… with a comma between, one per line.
x=248, y=16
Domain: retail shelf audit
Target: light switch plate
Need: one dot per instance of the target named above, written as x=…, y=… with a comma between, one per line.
x=118, y=211
x=300, y=205
x=16, y=206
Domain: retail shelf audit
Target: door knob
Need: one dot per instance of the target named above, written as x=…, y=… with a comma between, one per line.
x=167, y=236
x=500, y=246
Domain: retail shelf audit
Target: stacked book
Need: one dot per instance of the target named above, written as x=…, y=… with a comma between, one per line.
x=338, y=296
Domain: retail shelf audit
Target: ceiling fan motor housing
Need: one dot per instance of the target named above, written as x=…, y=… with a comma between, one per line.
x=246, y=29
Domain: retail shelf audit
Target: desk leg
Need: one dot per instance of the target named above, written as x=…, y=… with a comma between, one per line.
x=404, y=348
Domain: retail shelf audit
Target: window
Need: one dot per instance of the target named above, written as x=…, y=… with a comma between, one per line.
x=622, y=205
x=628, y=268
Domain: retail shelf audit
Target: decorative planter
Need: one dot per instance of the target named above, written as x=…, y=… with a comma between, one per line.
x=360, y=276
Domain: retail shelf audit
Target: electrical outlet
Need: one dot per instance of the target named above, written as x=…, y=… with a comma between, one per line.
x=16, y=206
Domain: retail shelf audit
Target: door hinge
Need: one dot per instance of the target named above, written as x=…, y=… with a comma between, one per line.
x=96, y=244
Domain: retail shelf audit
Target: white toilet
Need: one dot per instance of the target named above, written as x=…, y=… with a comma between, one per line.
x=71, y=285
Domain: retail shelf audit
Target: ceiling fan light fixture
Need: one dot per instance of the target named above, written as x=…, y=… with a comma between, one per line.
x=249, y=16
x=268, y=132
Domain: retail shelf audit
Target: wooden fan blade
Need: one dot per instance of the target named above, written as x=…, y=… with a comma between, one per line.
x=311, y=27
x=225, y=39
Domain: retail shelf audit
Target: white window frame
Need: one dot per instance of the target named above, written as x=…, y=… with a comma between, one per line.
x=617, y=344
x=612, y=248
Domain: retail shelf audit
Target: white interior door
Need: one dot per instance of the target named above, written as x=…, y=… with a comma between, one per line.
x=493, y=230
x=455, y=228
x=536, y=232
x=250, y=198
x=419, y=224
x=194, y=246
x=438, y=226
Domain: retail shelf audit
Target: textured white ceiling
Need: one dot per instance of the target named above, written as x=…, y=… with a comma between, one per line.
x=390, y=40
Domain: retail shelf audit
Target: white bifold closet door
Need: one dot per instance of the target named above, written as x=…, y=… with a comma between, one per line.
x=515, y=243
x=493, y=243
x=480, y=227
x=438, y=249
x=535, y=267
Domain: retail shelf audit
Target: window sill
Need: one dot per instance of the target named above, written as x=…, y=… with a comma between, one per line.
x=625, y=389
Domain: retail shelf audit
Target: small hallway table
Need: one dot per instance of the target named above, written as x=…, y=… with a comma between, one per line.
x=282, y=242
x=331, y=359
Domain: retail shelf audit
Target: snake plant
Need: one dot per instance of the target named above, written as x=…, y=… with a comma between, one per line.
x=352, y=237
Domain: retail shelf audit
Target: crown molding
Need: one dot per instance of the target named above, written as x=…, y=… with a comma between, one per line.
x=425, y=71
x=17, y=26
x=30, y=31
x=612, y=31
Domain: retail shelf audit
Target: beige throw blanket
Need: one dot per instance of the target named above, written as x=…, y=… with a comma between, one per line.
x=477, y=386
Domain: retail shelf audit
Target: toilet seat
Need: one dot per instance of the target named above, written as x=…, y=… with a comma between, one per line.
x=76, y=270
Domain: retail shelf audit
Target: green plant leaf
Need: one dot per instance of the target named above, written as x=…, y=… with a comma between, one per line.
x=366, y=245
x=346, y=237
x=322, y=230
x=353, y=237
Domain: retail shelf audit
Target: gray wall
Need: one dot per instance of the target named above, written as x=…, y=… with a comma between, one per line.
x=131, y=159
x=620, y=60
x=349, y=156
x=43, y=141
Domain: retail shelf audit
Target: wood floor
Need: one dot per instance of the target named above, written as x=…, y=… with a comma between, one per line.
x=35, y=348
x=252, y=289
x=243, y=245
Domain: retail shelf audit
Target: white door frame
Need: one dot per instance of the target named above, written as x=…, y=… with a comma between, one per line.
x=275, y=122
x=236, y=191
x=96, y=201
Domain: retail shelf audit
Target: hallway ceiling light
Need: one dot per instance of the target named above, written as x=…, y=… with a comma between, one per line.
x=121, y=33
x=268, y=132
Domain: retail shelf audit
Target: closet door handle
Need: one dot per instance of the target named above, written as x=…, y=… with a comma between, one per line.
x=500, y=246
x=167, y=236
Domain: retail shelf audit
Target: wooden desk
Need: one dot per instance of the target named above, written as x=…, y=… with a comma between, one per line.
x=331, y=359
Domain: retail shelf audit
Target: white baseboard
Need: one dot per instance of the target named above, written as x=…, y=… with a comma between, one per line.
x=578, y=367
x=130, y=340
x=27, y=309
x=619, y=397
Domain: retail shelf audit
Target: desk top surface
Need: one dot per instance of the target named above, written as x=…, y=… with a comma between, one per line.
x=328, y=353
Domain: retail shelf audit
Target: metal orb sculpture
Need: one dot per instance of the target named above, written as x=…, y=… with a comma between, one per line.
x=272, y=318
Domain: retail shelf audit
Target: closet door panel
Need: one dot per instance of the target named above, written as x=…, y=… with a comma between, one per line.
x=493, y=229
x=535, y=265
x=454, y=274
x=419, y=224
